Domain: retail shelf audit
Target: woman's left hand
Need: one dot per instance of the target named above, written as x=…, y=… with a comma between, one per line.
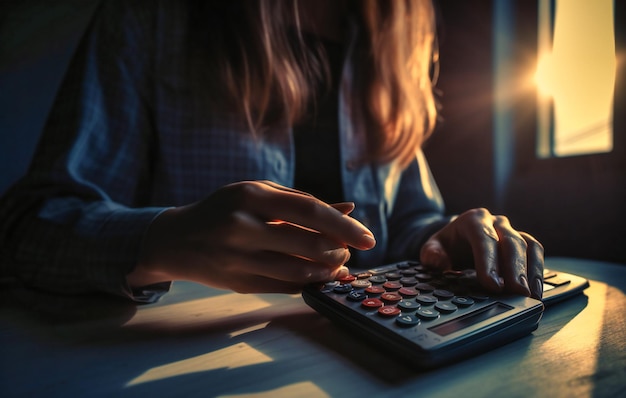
x=505, y=260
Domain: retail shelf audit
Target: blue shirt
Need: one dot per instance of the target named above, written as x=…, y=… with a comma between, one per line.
x=132, y=132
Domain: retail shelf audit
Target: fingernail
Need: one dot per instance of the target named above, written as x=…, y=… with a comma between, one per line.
x=342, y=272
x=538, y=288
x=497, y=279
x=368, y=241
x=337, y=256
x=524, y=282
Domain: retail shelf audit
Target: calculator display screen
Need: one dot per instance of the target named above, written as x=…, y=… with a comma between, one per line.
x=468, y=320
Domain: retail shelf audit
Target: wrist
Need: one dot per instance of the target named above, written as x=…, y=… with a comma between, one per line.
x=152, y=266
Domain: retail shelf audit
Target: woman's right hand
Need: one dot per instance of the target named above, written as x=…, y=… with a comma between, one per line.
x=251, y=237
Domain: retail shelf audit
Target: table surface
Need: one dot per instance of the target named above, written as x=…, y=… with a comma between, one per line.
x=204, y=342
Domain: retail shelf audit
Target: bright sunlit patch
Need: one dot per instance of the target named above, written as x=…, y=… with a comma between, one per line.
x=248, y=330
x=304, y=389
x=232, y=357
x=576, y=69
x=198, y=312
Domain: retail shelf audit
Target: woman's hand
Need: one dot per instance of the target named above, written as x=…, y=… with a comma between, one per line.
x=504, y=259
x=252, y=236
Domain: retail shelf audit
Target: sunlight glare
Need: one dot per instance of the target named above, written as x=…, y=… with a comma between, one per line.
x=235, y=356
x=578, y=71
x=304, y=389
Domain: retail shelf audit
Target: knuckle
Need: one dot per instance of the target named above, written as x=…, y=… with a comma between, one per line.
x=501, y=220
x=479, y=212
x=311, y=207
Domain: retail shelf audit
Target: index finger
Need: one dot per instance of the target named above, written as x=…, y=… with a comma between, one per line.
x=309, y=212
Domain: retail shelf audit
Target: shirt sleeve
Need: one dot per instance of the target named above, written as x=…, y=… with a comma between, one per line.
x=418, y=211
x=76, y=221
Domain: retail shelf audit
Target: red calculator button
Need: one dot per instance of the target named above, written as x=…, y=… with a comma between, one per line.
x=389, y=311
x=408, y=292
x=391, y=297
x=372, y=303
x=375, y=289
x=347, y=279
x=392, y=285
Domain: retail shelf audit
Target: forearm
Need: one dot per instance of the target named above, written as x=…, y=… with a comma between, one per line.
x=71, y=246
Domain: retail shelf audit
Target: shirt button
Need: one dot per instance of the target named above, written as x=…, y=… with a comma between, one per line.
x=351, y=165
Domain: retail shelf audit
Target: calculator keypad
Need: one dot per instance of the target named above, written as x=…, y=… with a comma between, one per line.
x=408, y=292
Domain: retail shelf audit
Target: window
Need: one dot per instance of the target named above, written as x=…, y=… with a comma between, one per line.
x=576, y=77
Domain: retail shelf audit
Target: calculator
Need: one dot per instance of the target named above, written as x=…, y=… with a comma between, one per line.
x=430, y=318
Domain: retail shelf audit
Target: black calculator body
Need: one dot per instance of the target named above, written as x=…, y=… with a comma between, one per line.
x=431, y=319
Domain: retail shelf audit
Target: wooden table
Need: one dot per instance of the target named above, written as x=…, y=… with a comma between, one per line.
x=203, y=342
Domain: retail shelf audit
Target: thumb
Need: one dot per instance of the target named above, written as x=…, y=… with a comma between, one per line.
x=434, y=255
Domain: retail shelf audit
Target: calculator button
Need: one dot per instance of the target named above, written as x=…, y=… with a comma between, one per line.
x=392, y=285
x=407, y=320
x=427, y=313
x=408, y=292
x=463, y=301
x=479, y=296
x=443, y=294
x=424, y=287
x=446, y=307
x=390, y=297
x=372, y=303
x=364, y=275
x=426, y=300
x=408, y=281
x=331, y=284
x=557, y=281
x=408, y=272
x=361, y=284
x=424, y=276
x=347, y=279
x=383, y=269
x=342, y=289
x=547, y=274
x=393, y=276
x=389, y=311
x=356, y=295
x=404, y=265
x=375, y=289
x=378, y=279
x=420, y=267
x=408, y=305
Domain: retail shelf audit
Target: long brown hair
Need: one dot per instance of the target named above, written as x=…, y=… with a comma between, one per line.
x=270, y=77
